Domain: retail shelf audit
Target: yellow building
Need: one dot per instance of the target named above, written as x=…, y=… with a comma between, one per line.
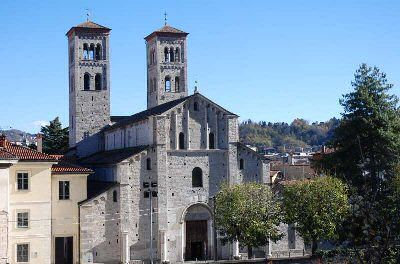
x=39, y=204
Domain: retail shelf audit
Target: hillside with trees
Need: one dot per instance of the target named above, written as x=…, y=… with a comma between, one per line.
x=300, y=133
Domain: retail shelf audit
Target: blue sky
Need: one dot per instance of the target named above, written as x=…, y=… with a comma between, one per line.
x=264, y=60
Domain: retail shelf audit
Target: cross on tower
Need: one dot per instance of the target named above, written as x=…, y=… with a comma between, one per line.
x=165, y=18
x=87, y=14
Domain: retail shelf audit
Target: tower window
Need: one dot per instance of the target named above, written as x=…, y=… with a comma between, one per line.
x=176, y=84
x=241, y=164
x=197, y=177
x=166, y=55
x=148, y=164
x=177, y=55
x=181, y=141
x=152, y=57
x=97, y=82
x=91, y=52
x=196, y=106
x=182, y=55
x=85, y=51
x=86, y=81
x=171, y=54
x=211, y=141
x=98, y=52
x=115, y=197
x=167, y=84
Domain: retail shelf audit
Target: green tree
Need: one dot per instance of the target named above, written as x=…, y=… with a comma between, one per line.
x=248, y=213
x=367, y=151
x=317, y=208
x=55, y=138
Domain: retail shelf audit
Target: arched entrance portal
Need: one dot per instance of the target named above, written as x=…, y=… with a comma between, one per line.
x=198, y=233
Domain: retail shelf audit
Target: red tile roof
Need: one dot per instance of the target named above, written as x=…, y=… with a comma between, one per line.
x=89, y=25
x=21, y=153
x=4, y=155
x=166, y=30
x=63, y=167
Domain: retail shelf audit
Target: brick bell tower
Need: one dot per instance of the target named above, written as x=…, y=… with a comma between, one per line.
x=89, y=86
x=166, y=51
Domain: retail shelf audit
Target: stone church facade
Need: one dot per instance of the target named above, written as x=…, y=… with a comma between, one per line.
x=156, y=171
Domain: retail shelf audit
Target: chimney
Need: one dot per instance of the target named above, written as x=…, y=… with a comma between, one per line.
x=3, y=141
x=39, y=142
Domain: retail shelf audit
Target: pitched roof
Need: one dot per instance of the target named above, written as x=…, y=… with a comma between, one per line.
x=89, y=25
x=112, y=156
x=167, y=30
x=66, y=166
x=159, y=109
x=94, y=188
x=9, y=150
x=4, y=155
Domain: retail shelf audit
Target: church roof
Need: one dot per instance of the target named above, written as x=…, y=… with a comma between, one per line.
x=159, y=109
x=112, y=156
x=89, y=25
x=167, y=30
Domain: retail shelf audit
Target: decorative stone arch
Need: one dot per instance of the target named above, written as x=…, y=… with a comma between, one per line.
x=198, y=243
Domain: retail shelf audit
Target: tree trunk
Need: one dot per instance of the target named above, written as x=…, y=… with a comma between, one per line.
x=314, y=246
x=249, y=252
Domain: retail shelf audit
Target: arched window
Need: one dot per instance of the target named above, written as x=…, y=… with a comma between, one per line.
x=115, y=197
x=167, y=84
x=91, y=52
x=154, y=85
x=148, y=164
x=241, y=164
x=98, y=52
x=86, y=81
x=85, y=51
x=211, y=142
x=166, y=55
x=97, y=82
x=197, y=177
x=177, y=55
x=176, y=84
x=181, y=140
x=196, y=106
x=153, y=56
x=171, y=55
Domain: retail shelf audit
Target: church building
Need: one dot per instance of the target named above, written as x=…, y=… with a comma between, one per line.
x=156, y=172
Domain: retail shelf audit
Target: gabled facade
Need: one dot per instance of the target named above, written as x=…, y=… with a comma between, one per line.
x=158, y=171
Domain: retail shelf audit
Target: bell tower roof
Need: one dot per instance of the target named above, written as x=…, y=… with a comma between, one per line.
x=89, y=25
x=167, y=30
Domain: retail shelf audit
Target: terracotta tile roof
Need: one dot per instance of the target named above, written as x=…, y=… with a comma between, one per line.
x=21, y=152
x=4, y=155
x=112, y=156
x=63, y=167
x=166, y=30
x=89, y=25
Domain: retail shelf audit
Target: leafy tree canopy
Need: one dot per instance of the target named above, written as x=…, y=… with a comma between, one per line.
x=317, y=207
x=248, y=213
x=55, y=138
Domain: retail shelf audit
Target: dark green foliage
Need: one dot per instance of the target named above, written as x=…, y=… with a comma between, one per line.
x=299, y=133
x=55, y=138
x=367, y=144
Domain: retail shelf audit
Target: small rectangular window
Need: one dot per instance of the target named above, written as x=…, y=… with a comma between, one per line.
x=22, y=252
x=23, y=181
x=63, y=190
x=23, y=220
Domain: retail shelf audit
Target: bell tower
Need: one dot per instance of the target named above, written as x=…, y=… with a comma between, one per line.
x=89, y=86
x=166, y=52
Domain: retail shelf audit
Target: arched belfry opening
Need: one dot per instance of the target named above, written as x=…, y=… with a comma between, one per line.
x=198, y=232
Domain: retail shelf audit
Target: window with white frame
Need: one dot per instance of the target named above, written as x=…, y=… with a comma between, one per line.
x=22, y=219
x=22, y=181
x=22, y=252
x=63, y=190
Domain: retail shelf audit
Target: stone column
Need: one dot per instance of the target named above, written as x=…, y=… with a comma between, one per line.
x=216, y=131
x=187, y=128
x=125, y=248
x=235, y=249
x=163, y=246
x=206, y=128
